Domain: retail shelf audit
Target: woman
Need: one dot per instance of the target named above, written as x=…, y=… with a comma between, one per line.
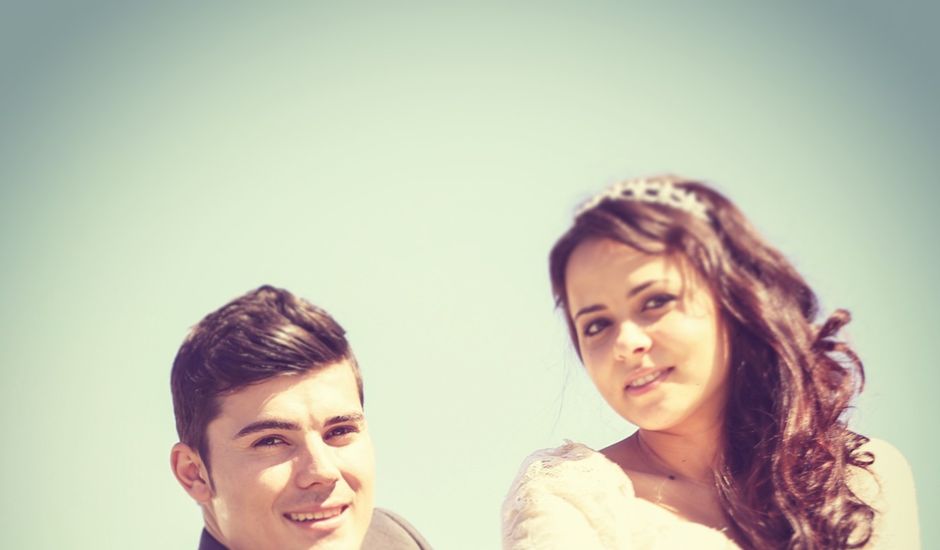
x=700, y=334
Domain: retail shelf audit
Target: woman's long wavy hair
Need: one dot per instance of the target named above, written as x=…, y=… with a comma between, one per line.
x=784, y=466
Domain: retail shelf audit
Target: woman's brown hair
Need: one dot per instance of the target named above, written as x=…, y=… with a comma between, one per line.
x=785, y=460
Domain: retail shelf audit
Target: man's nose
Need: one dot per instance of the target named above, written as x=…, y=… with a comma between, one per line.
x=632, y=341
x=316, y=464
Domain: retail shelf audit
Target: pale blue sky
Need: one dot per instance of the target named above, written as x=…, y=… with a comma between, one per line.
x=408, y=169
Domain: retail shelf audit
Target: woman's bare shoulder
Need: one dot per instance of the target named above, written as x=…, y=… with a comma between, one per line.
x=888, y=468
x=886, y=454
x=888, y=487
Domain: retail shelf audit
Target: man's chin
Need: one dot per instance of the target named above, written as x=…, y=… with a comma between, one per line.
x=338, y=532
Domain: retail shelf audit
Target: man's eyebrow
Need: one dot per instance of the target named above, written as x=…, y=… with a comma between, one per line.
x=263, y=425
x=344, y=418
x=633, y=292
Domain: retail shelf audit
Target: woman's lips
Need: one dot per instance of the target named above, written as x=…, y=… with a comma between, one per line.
x=647, y=381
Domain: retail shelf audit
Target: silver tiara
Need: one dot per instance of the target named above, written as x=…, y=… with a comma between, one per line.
x=657, y=190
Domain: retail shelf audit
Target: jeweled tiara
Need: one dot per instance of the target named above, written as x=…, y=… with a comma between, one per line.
x=657, y=190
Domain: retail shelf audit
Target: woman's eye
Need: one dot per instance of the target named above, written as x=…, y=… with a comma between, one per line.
x=341, y=432
x=594, y=327
x=657, y=301
x=270, y=441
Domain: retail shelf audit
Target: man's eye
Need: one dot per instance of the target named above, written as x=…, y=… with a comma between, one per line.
x=341, y=432
x=594, y=327
x=270, y=441
x=657, y=301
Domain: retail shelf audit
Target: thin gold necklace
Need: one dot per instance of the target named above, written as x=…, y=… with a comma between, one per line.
x=652, y=459
x=649, y=456
x=648, y=460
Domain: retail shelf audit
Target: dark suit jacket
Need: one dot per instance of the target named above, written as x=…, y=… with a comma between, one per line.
x=388, y=531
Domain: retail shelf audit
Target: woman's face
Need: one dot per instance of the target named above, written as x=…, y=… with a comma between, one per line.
x=650, y=336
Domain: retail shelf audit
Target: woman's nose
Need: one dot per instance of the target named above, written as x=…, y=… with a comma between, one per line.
x=632, y=341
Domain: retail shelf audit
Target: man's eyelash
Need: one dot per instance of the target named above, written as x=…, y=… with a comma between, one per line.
x=340, y=431
x=269, y=441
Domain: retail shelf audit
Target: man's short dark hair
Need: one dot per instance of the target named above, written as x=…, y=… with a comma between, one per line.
x=265, y=333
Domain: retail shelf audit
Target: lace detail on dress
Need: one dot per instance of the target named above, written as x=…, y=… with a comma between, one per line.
x=574, y=497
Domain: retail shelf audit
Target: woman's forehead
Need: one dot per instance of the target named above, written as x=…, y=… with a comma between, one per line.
x=595, y=257
x=598, y=266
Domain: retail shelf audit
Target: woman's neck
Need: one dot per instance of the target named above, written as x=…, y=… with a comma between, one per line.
x=689, y=455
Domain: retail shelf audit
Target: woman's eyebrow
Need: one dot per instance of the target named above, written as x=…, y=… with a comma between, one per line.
x=641, y=287
x=633, y=292
x=588, y=309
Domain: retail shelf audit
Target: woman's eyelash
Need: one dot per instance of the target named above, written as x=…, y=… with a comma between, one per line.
x=595, y=326
x=658, y=301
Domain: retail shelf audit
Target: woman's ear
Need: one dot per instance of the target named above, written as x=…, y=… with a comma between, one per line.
x=190, y=471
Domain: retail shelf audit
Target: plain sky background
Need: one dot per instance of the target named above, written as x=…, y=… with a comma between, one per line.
x=408, y=169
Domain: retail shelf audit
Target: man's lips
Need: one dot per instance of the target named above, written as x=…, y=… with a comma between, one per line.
x=322, y=513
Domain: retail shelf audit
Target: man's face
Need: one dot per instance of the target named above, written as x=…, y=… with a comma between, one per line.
x=292, y=464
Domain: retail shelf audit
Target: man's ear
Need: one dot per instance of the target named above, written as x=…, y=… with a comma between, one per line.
x=189, y=470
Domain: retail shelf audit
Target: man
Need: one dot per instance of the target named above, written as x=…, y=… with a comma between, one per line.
x=274, y=445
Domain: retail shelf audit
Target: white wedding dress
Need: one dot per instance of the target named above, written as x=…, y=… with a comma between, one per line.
x=574, y=498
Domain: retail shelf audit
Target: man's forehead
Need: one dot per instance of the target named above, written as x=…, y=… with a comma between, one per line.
x=318, y=393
